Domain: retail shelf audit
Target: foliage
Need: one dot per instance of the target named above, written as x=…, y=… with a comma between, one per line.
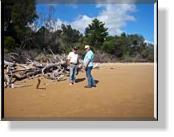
x=128, y=47
x=71, y=37
x=9, y=43
x=95, y=34
x=18, y=15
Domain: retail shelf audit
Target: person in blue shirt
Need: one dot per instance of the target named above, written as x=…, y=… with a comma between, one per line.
x=88, y=65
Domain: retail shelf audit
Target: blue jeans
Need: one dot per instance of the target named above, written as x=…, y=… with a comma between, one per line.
x=73, y=71
x=91, y=81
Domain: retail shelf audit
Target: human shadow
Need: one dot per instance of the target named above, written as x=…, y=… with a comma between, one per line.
x=41, y=88
x=80, y=80
x=96, y=81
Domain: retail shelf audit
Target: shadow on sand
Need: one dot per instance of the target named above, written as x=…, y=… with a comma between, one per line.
x=80, y=80
x=96, y=81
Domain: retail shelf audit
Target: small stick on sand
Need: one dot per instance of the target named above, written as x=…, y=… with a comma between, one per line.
x=39, y=81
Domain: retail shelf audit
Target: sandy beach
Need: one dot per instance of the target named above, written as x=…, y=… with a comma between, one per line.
x=124, y=90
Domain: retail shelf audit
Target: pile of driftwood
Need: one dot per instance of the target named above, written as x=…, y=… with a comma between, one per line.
x=54, y=69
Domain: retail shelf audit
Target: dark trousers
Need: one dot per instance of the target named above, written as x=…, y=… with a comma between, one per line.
x=91, y=81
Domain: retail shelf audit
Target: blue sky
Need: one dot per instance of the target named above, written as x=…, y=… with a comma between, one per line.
x=129, y=18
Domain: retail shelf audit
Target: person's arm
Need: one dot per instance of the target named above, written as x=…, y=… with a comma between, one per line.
x=68, y=62
x=78, y=60
x=86, y=64
x=89, y=57
x=68, y=59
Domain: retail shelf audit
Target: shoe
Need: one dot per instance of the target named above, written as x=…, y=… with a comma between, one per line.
x=87, y=87
x=94, y=86
x=70, y=84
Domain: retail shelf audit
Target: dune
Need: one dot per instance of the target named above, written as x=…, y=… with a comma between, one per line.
x=124, y=91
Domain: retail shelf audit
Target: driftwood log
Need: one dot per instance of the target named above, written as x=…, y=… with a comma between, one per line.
x=55, y=69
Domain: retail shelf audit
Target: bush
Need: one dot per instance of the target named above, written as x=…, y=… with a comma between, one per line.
x=9, y=43
x=102, y=57
x=150, y=57
x=108, y=47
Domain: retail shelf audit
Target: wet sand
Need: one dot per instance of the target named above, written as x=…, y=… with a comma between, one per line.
x=124, y=90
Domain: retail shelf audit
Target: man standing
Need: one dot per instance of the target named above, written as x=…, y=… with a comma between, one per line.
x=73, y=62
x=88, y=65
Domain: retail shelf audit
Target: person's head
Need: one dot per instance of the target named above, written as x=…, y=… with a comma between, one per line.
x=87, y=47
x=75, y=49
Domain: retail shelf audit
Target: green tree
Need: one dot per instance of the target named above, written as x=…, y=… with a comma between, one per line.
x=17, y=16
x=70, y=36
x=9, y=43
x=95, y=34
x=116, y=46
x=135, y=43
x=45, y=40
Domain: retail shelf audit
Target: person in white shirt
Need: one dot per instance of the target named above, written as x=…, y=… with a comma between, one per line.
x=73, y=61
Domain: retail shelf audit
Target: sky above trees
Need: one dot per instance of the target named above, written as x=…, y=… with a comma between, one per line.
x=118, y=18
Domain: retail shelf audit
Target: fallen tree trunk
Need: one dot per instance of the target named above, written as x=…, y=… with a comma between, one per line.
x=17, y=72
x=27, y=75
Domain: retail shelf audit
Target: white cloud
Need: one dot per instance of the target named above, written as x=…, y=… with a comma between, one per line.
x=115, y=17
x=148, y=42
x=81, y=22
x=58, y=24
x=33, y=27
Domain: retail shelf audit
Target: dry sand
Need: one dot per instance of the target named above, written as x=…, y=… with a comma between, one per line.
x=124, y=90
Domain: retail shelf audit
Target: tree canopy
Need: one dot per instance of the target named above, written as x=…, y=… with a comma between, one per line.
x=96, y=33
x=19, y=15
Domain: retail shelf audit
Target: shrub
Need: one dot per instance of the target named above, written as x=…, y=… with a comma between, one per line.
x=9, y=43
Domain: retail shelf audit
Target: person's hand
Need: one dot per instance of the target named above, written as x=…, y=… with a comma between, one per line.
x=84, y=68
x=69, y=64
